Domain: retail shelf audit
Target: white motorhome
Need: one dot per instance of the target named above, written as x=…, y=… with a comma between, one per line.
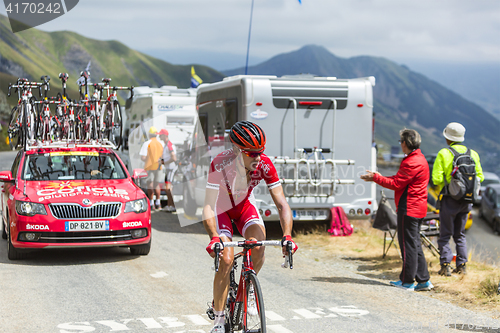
x=319, y=136
x=167, y=107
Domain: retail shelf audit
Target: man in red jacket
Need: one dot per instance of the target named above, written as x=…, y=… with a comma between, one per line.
x=410, y=195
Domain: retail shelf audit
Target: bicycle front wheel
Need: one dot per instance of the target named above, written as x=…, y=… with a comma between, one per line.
x=254, y=318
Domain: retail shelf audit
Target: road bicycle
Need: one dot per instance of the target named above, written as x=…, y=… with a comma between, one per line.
x=88, y=114
x=111, y=122
x=65, y=112
x=247, y=293
x=22, y=122
x=47, y=127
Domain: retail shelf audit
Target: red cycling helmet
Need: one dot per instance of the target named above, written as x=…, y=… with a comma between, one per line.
x=247, y=135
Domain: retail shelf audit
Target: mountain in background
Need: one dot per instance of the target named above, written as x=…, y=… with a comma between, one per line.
x=33, y=53
x=477, y=82
x=402, y=98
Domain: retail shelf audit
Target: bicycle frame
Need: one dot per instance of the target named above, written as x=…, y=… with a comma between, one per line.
x=23, y=123
x=237, y=301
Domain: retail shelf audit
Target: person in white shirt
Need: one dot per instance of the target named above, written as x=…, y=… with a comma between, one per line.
x=169, y=160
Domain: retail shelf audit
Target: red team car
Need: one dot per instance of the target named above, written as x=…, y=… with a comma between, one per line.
x=63, y=197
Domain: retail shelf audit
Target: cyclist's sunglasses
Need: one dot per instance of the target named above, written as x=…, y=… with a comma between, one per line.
x=252, y=154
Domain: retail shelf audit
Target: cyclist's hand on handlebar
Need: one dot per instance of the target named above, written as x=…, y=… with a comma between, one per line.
x=288, y=238
x=211, y=246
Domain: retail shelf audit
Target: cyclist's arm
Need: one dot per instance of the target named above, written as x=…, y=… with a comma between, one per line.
x=208, y=216
x=284, y=210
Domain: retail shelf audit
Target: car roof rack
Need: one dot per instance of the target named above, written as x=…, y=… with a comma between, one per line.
x=72, y=144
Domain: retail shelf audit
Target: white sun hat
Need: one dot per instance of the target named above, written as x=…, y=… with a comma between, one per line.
x=454, y=132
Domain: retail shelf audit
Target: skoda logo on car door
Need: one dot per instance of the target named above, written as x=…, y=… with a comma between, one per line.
x=86, y=202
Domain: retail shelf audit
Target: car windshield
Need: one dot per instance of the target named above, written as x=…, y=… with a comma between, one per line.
x=72, y=165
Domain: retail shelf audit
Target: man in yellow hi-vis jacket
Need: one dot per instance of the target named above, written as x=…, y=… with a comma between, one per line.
x=452, y=213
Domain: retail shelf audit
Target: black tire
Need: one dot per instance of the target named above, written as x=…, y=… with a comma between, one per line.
x=25, y=126
x=12, y=252
x=141, y=250
x=255, y=323
x=496, y=226
x=113, y=127
x=188, y=203
x=14, y=131
x=4, y=233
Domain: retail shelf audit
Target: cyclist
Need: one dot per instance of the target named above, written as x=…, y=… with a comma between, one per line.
x=233, y=175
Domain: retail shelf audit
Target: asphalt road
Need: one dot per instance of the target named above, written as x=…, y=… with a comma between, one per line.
x=109, y=290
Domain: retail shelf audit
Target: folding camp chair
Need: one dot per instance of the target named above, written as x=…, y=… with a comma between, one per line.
x=386, y=221
x=430, y=229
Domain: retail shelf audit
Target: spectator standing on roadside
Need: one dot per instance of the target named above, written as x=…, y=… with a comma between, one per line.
x=151, y=153
x=169, y=160
x=410, y=195
x=452, y=213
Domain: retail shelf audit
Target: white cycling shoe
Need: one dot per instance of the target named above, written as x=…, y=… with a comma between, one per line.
x=218, y=329
x=251, y=303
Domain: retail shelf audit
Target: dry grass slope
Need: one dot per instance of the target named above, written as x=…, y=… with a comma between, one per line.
x=476, y=291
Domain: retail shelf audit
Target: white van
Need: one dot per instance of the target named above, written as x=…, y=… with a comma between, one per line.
x=319, y=136
x=167, y=107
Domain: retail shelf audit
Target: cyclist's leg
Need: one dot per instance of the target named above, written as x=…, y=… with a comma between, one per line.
x=251, y=226
x=221, y=278
x=257, y=232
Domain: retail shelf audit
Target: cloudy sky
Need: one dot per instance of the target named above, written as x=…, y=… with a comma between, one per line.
x=215, y=32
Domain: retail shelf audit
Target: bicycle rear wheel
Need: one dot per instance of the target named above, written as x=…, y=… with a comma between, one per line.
x=24, y=125
x=113, y=123
x=14, y=128
x=254, y=322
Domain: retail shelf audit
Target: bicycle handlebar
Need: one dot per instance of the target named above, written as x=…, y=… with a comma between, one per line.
x=250, y=244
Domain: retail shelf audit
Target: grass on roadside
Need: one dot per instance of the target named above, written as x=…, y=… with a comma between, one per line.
x=475, y=291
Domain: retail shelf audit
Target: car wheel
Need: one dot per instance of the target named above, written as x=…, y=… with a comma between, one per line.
x=4, y=233
x=188, y=203
x=481, y=215
x=12, y=252
x=496, y=226
x=141, y=250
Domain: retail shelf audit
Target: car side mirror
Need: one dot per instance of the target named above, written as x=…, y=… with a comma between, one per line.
x=139, y=173
x=6, y=177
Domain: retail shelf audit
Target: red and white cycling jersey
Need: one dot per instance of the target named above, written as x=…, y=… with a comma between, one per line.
x=224, y=177
x=235, y=200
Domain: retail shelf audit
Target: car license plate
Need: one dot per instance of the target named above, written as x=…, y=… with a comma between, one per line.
x=86, y=225
x=310, y=214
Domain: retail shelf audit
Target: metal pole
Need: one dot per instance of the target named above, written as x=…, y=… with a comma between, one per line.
x=249, y=33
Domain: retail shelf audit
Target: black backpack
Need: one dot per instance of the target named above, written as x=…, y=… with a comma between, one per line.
x=463, y=185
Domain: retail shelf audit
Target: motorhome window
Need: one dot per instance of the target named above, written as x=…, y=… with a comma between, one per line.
x=47, y=166
x=180, y=120
x=203, y=124
x=231, y=108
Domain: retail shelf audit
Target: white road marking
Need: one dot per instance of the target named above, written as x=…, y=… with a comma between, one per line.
x=159, y=275
x=198, y=320
x=271, y=315
x=114, y=325
x=306, y=314
x=150, y=323
x=189, y=322
x=171, y=321
x=349, y=311
x=278, y=329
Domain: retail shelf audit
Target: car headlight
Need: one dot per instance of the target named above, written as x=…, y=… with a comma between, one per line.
x=136, y=206
x=27, y=208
